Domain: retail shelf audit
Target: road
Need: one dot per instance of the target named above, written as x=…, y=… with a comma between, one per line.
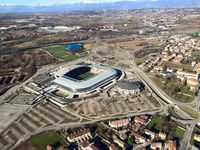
x=185, y=142
x=73, y=124
x=156, y=92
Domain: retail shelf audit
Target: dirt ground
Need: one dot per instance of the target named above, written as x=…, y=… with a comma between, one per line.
x=22, y=63
x=134, y=44
x=94, y=107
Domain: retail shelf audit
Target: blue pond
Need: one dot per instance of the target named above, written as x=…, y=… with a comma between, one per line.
x=73, y=47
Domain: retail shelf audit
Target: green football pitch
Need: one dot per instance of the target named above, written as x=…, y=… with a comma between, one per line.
x=60, y=52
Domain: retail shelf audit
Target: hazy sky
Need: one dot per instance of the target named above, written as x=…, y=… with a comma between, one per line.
x=50, y=2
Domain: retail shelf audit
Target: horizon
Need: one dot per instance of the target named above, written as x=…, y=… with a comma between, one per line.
x=15, y=6
x=54, y=2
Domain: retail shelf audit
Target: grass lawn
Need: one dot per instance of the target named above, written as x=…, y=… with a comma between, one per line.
x=123, y=65
x=186, y=67
x=43, y=139
x=183, y=98
x=179, y=132
x=141, y=60
x=60, y=52
x=157, y=81
x=85, y=75
x=163, y=124
x=70, y=106
x=186, y=90
x=196, y=56
x=189, y=111
x=169, y=88
x=172, y=112
x=156, y=122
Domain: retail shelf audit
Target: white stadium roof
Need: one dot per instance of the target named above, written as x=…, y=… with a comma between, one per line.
x=90, y=83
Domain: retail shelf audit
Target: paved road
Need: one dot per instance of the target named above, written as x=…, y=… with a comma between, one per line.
x=157, y=92
x=185, y=142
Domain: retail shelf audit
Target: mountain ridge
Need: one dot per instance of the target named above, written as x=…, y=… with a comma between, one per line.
x=100, y=6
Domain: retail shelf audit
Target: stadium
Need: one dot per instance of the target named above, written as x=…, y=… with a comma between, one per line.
x=85, y=79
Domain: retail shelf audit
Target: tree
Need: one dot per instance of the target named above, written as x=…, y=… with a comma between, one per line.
x=130, y=140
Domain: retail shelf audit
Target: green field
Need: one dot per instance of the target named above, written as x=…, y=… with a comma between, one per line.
x=85, y=75
x=156, y=122
x=162, y=124
x=60, y=52
x=173, y=113
x=45, y=138
x=179, y=132
x=41, y=140
x=186, y=67
x=174, y=89
x=189, y=111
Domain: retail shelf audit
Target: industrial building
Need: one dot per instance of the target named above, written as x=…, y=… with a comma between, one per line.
x=129, y=87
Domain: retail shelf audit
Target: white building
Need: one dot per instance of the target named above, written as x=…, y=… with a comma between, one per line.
x=80, y=136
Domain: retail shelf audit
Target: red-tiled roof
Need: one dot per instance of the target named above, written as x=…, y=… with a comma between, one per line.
x=137, y=125
x=80, y=133
x=138, y=119
x=172, y=145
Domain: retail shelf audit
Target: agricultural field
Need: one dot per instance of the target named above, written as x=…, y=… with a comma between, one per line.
x=61, y=53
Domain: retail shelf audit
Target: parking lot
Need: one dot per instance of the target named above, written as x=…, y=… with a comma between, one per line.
x=9, y=112
x=23, y=99
x=40, y=116
x=115, y=106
